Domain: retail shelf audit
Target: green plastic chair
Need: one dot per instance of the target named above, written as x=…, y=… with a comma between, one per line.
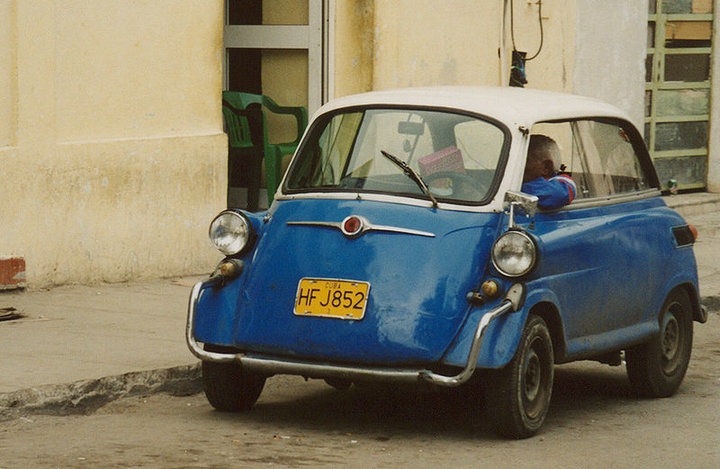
x=243, y=112
x=245, y=153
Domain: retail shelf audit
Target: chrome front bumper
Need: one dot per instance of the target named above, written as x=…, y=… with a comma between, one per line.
x=276, y=365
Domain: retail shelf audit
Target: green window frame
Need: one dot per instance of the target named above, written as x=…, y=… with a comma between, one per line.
x=677, y=90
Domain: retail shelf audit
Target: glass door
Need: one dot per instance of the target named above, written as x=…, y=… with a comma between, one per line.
x=677, y=92
x=272, y=48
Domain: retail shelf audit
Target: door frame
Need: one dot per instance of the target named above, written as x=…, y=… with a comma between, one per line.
x=314, y=37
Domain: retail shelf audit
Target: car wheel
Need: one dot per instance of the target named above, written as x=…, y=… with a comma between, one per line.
x=518, y=395
x=229, y=388
x=339, y=383
x=657, y=367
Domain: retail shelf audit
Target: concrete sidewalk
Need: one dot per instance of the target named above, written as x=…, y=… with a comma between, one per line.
x=80, y=344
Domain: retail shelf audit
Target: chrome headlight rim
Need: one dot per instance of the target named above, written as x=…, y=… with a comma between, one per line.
x=241, y=234
x=532, y=251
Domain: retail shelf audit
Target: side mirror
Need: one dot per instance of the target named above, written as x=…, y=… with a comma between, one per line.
x=519, y=201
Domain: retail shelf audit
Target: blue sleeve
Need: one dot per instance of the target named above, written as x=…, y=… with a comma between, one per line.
x=551, y=193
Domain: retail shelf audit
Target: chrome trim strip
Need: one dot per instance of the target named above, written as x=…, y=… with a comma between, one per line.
x=328, y=224
x=271, y=365
x=394, y=229
x=366, y=226
x=612, y=199
x=467, y=372
x=493, y=206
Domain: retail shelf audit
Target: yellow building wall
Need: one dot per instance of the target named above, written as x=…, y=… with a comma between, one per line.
x=353, y=47
x=8, y=76
x=385, y=44
x=111, y=144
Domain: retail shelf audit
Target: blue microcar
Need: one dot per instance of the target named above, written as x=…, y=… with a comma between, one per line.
x=400, y=247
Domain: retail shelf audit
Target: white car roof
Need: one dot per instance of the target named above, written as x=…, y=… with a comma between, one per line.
x=513, y=106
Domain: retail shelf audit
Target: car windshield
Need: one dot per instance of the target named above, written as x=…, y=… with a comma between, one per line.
x=456, y=156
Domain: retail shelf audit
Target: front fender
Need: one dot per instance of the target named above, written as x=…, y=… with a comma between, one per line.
x=215, y=317
x=502, y=336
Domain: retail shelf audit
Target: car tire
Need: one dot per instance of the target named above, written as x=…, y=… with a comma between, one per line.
x=518, y=395
x=229, y=388
x=657, y=367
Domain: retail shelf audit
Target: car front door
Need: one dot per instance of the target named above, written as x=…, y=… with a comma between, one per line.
x=594, y=252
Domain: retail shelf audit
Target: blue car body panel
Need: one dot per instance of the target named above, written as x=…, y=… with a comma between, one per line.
x=416, y=303
x=593, y=262
x=605, y=263
x=596, y=272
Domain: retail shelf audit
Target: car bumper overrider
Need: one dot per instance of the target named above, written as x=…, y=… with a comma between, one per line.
x=280, y=365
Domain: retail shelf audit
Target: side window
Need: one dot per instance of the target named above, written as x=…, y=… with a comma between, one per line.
x=598, y=155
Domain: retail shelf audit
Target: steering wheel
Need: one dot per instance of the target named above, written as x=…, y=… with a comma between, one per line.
x=463, y=185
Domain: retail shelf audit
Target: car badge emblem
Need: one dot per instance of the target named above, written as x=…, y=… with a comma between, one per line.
x=352, y=226
x=355, y=225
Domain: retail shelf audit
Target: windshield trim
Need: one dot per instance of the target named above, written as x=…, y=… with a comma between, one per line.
x=319, y=123
x=386, y=197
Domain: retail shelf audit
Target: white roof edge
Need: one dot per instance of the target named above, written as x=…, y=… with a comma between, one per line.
x=519, y=106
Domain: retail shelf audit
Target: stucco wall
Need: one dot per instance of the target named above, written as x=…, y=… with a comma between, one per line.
x=8, y=75
x=353, y=46
x=455, y=42
x=610, y=46
x=423, y=43
x=111, y=137
x=552, y=69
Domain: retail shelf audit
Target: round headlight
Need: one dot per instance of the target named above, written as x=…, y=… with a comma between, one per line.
x=514, y=253
x=230, y=232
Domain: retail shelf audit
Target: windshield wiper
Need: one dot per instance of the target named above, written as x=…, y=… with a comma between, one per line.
x=412, y=174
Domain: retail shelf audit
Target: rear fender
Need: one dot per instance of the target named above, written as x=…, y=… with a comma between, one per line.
x=690, y=285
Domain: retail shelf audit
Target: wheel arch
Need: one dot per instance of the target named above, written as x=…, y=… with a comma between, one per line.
x=551, y=315
x=693, y=296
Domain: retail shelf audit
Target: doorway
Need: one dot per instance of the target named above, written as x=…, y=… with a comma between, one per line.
x=274, y=48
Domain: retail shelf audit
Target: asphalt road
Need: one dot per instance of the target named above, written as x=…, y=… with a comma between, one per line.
x=594, y=422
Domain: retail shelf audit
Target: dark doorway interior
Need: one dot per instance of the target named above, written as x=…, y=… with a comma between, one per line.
x=244, y=74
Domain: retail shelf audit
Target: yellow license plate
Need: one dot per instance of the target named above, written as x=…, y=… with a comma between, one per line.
x=332, y=298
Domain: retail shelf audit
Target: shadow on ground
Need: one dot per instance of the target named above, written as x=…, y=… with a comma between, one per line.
x=380, y=411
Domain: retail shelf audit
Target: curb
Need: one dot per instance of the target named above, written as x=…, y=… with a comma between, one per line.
x=86, y=396
x=712, y=302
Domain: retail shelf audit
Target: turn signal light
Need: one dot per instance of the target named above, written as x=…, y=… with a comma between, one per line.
x=229, y=269
x=490, y=288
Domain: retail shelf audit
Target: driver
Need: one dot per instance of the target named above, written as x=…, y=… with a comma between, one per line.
x=541, y=179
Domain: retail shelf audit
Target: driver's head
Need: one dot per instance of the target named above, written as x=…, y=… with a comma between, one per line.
x=542, y=154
